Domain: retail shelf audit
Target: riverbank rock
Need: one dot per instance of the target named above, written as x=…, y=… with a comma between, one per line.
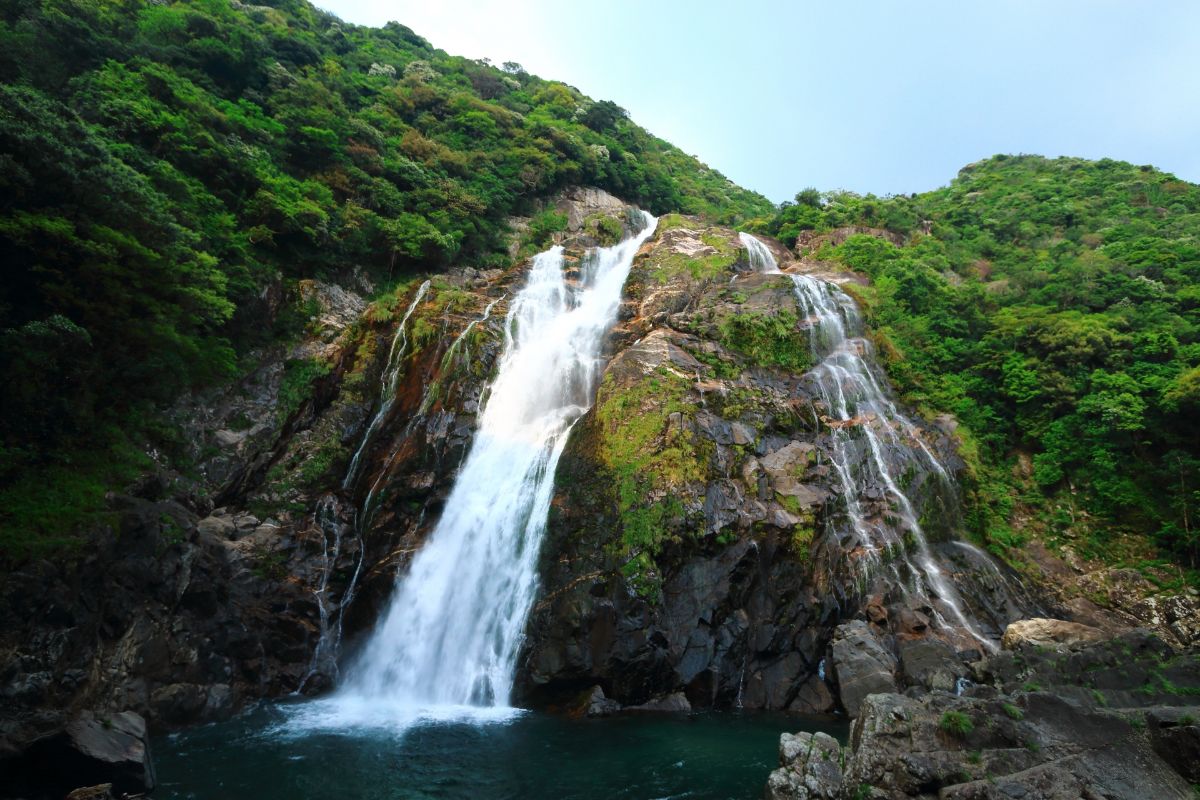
x=92, y=750
x=861, y=665
x=1113, y=719
x=809, y=768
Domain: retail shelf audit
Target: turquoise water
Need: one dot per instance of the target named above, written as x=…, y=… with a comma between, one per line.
x=712, y=756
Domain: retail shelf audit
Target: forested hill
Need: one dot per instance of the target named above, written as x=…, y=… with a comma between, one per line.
x=160, y=163
x=1054, y=307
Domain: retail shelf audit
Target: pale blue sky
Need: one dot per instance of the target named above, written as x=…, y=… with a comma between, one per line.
x=875, y=95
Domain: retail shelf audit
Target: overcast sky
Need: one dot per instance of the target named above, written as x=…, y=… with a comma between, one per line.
x=871, y=95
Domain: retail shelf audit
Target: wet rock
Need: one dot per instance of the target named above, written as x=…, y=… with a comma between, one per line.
x=672, y=703
x=178, y=702
x=101, y=792
x=930, y=663
x=1049, y=633
x=1175, y=737
x=861, y=664
x=595, y=704
x=813, y=697
x=218, y=527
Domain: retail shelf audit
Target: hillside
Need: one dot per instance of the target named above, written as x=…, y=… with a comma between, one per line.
x=1053, y=306
x=171, y=170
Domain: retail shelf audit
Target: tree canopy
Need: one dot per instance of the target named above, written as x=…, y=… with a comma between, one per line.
x=1053, y=305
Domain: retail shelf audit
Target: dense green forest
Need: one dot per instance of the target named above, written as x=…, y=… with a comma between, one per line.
x=161, y=163
x=1053, y=306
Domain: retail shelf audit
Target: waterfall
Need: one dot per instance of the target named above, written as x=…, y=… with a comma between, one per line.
x=448, y=641
x=865, y=427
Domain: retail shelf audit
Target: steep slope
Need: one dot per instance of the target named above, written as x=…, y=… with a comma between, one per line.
x=171, y=170
x=1051, y=306
x=719, y=514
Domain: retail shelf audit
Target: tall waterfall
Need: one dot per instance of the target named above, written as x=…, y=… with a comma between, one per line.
x=449, y=639
x=871, y=440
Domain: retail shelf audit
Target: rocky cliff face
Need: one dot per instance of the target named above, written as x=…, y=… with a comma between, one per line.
x=693, y=547
x=696, y=554
x=241, y=576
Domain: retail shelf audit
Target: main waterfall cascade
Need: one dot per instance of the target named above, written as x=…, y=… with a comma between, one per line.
x=447, y=644
x=857, y=406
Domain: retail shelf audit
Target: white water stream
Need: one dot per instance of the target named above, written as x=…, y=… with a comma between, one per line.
x=447, y=644
x=856, y=404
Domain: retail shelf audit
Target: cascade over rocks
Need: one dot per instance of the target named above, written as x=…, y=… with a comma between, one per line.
x=694, y=543
x=241, y=579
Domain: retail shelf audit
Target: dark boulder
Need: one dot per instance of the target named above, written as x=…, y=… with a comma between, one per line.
x=862, y=665
x=90, y=750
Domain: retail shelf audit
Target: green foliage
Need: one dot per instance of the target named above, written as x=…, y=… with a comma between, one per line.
x=956, y=723
x=1051, y=305
x=646, y=456
x=542, y=227
x=1012, y=711
x=42, y=510
x=161, y=163
x=767, y=339
x=299, y=375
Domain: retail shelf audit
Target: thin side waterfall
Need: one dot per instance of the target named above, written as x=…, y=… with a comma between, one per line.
x=387, y=386
x=427, y=399
x=447, y=644
x=865, y=428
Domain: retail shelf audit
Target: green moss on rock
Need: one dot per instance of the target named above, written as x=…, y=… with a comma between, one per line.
x=767, y=339
x=647, y=457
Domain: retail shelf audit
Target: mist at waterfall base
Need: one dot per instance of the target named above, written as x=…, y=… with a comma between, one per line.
x=446, y=646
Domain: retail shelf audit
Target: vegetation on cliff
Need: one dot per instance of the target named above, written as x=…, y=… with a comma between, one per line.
x=166, y=167
x=1052, y=305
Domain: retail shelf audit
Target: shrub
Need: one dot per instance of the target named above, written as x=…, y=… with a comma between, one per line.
x=956, y=723
x=1012, y=711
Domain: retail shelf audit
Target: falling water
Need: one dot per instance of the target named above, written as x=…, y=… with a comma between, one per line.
x=387, y=386
x=449, y=639
x=856, y=404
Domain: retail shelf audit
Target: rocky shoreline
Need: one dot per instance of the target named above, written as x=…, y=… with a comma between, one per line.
x=1064, y=711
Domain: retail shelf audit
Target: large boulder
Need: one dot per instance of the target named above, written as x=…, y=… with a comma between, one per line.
x=809, y=768
x=861, y=664
x=1042, y=632
x=91, y=750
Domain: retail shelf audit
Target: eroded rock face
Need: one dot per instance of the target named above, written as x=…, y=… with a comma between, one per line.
x=809, y=768
x=1113, y=719
x=692, y=544
x=862, y=665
